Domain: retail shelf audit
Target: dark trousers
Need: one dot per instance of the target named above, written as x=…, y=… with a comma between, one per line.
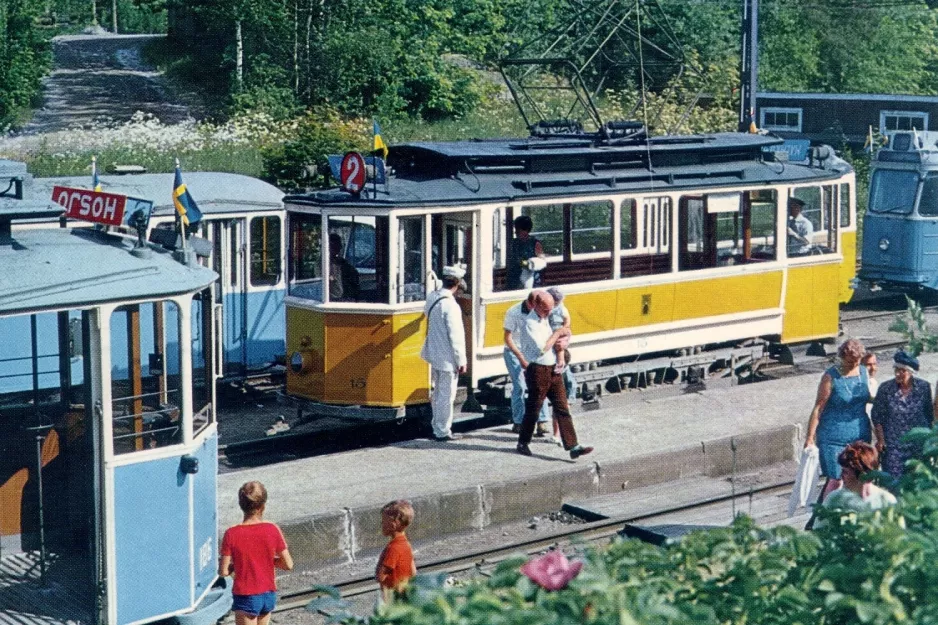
x=543, y=384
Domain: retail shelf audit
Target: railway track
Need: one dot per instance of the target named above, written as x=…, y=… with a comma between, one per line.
x=482, y=561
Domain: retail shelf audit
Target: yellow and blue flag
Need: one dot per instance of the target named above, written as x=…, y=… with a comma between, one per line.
x=186, y=207
x=380, y=147
x=95, y=183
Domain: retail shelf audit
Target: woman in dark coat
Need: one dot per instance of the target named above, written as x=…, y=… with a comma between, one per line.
x=903, y=403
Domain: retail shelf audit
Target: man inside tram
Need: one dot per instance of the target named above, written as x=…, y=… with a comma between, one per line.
x=525, y=257
x=343, y=277
x=800, y=228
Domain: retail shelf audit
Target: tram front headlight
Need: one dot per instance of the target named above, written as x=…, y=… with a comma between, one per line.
x=884, y=244
x=298, y=362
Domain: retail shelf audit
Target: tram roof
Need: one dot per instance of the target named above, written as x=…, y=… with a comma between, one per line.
x=55, y=269
x=468, y=172
x=214, y=192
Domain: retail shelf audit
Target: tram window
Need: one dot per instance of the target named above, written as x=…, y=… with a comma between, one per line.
x=656, y=217
x=628, y=235
x=145, y=377
x=893, y=191
x=202, y=362
x=410, y=243
x=819, y=209
x=928, y=204
x=763, y=213
x=844, y=205
x=306, y=257
x=358, y=259
x=265, y=251
x=548, y=228
x=591, y=227
x=234, y=250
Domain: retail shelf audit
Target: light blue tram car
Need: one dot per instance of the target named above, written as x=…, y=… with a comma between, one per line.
x=243, y=219
x=900, y=229
x=108, y=481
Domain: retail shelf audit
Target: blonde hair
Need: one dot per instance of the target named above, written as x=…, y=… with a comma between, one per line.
x=401, y=511
x=252, y=496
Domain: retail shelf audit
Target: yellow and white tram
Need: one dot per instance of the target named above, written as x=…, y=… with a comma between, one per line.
x=667, y=245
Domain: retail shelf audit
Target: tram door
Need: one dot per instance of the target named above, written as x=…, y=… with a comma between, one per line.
x=452, y=240
x=229, y=294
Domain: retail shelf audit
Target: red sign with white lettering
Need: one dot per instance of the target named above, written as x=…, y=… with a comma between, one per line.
x=353, y=172
x=88, y=205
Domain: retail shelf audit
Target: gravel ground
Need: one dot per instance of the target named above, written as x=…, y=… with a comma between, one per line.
x=104, y=78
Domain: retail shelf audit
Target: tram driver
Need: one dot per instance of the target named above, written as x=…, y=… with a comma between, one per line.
x=800, y=228
x=343, y=277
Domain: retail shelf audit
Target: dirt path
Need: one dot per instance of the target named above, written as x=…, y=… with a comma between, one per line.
x=104, y=77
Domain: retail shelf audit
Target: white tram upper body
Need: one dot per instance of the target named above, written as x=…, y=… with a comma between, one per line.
x=658, y=245
x=108, y=478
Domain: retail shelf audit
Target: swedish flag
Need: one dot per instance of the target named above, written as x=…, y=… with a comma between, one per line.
x=380, y=147
x=95, y=183
x=186, y=207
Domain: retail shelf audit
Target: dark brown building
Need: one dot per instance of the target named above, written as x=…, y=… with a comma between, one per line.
x=843, y=118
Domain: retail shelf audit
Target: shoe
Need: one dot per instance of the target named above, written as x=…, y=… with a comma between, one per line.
x=580, y=450
x=524, y=450
x=447, y=438
x=516, y=428
x=541, y=430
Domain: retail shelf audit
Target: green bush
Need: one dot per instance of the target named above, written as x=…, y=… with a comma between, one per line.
x=860, y=567
x=300, y=162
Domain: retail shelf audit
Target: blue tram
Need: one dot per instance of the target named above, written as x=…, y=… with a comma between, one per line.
x=243, y=219
x=900, y=229
x=107, y=481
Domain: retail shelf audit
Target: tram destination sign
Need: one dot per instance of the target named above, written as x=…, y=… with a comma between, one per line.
x=109, y=209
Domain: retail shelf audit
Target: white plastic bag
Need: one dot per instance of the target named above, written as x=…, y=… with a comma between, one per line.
x=805, y=479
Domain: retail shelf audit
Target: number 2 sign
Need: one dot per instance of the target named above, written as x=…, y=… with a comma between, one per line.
x=353, y=172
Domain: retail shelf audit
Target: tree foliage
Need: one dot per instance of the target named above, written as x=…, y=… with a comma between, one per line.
x=24, y=58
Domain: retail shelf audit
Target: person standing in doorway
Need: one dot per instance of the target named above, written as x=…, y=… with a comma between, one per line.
x=523, y=249
x=445, y=350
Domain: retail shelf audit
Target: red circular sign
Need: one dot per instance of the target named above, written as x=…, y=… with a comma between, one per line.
x=352, y=172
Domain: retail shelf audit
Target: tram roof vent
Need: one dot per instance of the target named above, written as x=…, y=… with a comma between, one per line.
x=13, y=209
x=553, y=127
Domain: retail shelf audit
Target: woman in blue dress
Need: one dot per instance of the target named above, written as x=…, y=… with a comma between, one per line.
x=839, y=416
x=901, y=404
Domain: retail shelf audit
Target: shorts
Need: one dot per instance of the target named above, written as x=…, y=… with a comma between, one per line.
x=255, y=605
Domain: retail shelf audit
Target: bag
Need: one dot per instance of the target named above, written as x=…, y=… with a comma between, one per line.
x=805, y=479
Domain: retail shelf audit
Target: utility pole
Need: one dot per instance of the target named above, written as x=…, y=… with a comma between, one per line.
x=749, y=65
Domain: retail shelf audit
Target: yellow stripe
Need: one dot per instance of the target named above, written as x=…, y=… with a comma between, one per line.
x=177, y=193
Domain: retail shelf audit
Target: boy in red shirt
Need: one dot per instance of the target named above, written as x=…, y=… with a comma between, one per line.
x=253, y=550
x=396, y=564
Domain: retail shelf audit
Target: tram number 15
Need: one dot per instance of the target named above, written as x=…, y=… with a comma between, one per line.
x=357, y=382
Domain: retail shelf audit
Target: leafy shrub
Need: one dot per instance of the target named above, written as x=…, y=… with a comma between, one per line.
x=860, y=567
x=300, y=161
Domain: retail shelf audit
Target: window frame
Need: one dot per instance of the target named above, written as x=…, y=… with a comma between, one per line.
x=252, y=285
x=923, y=115
x=787, y=110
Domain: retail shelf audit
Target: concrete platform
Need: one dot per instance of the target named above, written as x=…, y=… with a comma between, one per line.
x=329, y=506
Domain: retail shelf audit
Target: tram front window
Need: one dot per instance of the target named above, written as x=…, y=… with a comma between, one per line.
x=145, y=377
x=358, y=259
x=893, y=191
x=928, y=203
x=410, y=243
x=306, y=256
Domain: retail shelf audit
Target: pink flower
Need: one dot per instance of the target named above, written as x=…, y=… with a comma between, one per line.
x=552, y=571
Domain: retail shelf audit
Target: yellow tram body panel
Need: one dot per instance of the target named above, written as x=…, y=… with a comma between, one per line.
x=367, y=359
x=636, y=306
x=848, y=268
x=810, y=310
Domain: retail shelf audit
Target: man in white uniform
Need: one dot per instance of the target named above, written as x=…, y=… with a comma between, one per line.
x=445, y=350
x=800, y=229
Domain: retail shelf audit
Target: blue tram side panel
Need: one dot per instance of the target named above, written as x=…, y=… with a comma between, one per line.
x=900, y=229
x=243, y=219
x=108, y=503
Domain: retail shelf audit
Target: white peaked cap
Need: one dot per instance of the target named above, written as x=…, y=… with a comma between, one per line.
x=453, y=271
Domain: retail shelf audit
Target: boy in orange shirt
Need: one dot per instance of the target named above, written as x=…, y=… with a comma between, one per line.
x=396, y=564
